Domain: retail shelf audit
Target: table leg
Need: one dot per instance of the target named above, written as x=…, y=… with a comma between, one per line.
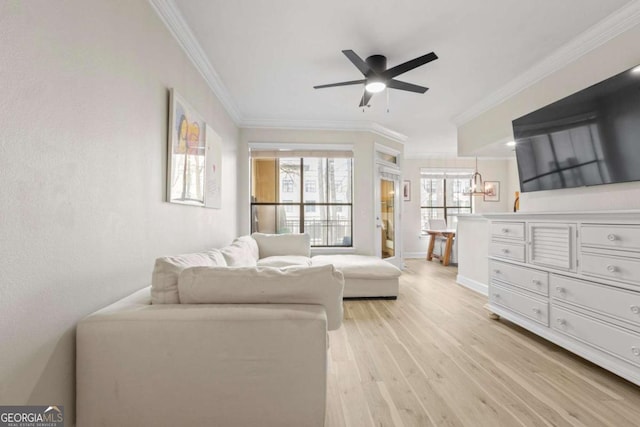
x=432, y=244
x=447, y=251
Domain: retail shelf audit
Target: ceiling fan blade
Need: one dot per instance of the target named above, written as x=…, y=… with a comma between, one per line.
x=409, y=65
x=397, y=84
x=357, y=61
x=365, y=98
x=352, y=82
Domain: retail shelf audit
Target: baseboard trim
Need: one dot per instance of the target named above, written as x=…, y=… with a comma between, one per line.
x=414, y=255
x=474, y=285
x=366, y=298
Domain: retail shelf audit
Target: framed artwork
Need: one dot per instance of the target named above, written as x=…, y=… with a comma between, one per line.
x=492, y=191
x=406, y=191
x=194, y=157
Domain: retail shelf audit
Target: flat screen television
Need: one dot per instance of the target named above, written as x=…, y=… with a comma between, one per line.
x=589, y=138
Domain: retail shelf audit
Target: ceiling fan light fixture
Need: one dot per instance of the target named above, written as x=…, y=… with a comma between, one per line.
x=375, y=87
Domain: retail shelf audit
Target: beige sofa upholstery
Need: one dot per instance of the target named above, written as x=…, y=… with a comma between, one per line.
x=209, y=364
x=220, y=339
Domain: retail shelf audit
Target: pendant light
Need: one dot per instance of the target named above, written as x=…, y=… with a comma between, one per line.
x=476, y=186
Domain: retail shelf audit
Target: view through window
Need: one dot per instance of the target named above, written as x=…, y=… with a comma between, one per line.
x=310, y=195
x=442, y=195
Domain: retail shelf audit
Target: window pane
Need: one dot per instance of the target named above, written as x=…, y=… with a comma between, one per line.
x=289, y=180
x=339, y=226
x=339, y=180
x=263, y=219
x=264, y=180
x=288, y=218
x=430, y=213
x=315, y=226
x=431, y=192
x=315, y=180
x=455, y=192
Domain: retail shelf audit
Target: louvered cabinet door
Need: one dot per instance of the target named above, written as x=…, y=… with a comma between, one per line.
x=552, y=245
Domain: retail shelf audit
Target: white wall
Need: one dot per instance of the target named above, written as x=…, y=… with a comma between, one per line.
x=363, y=194
x=83, y=131
x=612, y=57
x=416, y=245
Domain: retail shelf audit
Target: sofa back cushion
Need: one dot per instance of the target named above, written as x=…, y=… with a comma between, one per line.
x=243, y=252
x=164, y=279
x=321, y=285
x=283, y=244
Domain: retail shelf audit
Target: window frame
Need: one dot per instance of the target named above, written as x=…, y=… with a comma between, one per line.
x=303, y=204
x=445, y=207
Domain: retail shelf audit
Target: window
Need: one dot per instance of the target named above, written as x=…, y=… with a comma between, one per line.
x=287, y=185
x=442, y=195
x=315, y=197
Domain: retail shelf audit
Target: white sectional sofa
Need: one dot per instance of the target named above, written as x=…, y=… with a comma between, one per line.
x=207, y=344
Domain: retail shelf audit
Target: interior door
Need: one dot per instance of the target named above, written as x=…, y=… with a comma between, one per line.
x=387, y=220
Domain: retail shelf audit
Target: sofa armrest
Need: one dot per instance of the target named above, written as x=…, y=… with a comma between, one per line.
x=207, y=364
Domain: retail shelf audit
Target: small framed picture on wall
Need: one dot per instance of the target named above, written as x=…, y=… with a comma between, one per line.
x=492, y=191
x=406, y=191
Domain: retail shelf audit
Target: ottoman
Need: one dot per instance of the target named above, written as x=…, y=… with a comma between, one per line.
x=364, y=276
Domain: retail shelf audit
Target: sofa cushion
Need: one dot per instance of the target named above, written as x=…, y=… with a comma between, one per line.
x=243, y=252
x=321, y=285
x=284, y=261
x=283, y=244
x=164, y=279
x=358, y=266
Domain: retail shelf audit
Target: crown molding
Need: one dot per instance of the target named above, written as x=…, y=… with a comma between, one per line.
x=613, y=25
x=170, y=15
x=331, y=125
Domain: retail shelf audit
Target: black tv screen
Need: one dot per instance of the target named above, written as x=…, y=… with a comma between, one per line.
x=589, y=138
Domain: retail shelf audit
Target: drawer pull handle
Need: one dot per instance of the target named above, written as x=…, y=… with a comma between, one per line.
x=496, y=295
x=561, y=322
x=635, y=350
x=536, y=282
x=611, y=268
x=612, y=237
x=505, y=251
x=536, y=310
x=496, y=271
x=505, y=230
x=560, y=289
x=635, y=309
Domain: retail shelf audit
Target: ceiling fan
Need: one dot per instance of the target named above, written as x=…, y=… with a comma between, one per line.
x=378, y=77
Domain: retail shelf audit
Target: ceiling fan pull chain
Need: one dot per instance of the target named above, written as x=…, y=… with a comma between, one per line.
x=387, y=100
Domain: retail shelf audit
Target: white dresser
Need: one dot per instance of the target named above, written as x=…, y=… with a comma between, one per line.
x=572, y=278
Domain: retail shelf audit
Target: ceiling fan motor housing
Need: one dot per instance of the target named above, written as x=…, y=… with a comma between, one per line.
x=378, y=63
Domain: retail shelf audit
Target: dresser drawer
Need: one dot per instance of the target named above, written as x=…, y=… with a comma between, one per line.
x=603, y=299
x=527, y=278
x=625, y=237
x=514, y=251
x=519, y=303
x=508, y=230
x=610, y=267
x=611, y=339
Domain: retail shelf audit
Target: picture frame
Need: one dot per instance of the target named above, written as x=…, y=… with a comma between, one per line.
x=194, y=157
x=491, y=191
x=406, y=191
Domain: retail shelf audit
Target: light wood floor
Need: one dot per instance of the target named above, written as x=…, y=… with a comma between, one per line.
x=433, y=357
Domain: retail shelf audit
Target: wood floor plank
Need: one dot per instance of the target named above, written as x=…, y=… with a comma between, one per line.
x=433, y=357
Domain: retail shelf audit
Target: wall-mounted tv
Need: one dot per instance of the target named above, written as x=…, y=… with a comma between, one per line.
x=589, y=138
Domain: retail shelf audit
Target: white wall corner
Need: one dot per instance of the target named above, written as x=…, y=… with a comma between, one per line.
x=171, y=16
x=474, y=285
x=613, y=25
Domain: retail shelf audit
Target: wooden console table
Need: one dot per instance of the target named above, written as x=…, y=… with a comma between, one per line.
x=447, y=234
